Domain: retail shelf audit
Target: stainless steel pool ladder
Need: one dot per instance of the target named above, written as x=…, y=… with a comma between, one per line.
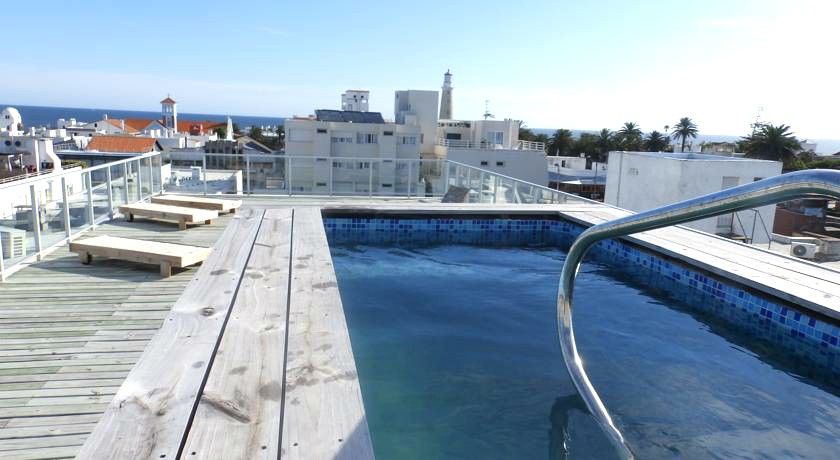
x=809, y=183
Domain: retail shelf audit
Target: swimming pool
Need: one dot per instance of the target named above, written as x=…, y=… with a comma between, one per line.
x=457, y=355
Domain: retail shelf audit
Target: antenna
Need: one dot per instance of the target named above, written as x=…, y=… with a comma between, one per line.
x=757, y=124
x=487, y=113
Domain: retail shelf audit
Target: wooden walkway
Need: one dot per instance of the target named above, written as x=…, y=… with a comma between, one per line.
x=70, y=334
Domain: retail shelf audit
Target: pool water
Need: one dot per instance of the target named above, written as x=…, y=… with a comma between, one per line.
x=457, y=354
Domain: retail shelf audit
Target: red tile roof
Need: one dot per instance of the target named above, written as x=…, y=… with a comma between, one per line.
x=116, y=123
x=122, y=144
x=168, y=100
x=197, y=127
x=138, y=123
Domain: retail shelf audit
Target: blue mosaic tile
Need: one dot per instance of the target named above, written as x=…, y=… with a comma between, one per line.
x=768, y=318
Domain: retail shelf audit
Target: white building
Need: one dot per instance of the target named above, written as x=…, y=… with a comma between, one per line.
x=355, y=100
x=493, y=145
x=419, y=108
x=354, y=141
x=639, y=181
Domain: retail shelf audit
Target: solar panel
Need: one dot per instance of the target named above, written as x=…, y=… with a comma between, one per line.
x=349, y=116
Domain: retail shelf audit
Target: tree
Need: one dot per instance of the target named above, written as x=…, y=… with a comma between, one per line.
x=525, y=133
x=560, y=142
x=629, y=137
x=220, y=132
x=684, y=129
x=281, y=137
x=776, y=143
x=255, y=133
x=586, y=145
x=656, y=142
x=606, y=142
x=236, y=129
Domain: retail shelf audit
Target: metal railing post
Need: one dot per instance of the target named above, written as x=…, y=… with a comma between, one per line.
x=36, y=220
x=204, y=172
x=481, y=187
x=445, y=175
x=151, y=178
x=370, y=178
x=67, y=227
x=807, y=183
x=90, y=200
x=495, y=189
x=110, y=195
x=289, y=176
x=409, y=179
x=248, y=173
x=331, y=176
x=139, y=181
x=2, y=265
x=125, y=182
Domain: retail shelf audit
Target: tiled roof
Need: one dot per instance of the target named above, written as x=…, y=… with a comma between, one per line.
x=122, y=144
x=196, y=127
x=168, y=100
x=138, y=123
x=116, y=123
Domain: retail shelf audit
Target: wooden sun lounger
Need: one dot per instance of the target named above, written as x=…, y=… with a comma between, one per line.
x=198, y=202
x=179, y=214
x=167, y=255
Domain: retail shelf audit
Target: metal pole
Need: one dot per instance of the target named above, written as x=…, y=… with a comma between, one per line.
x=495, y=189
x=90, y=199
x=36, y=220
x=445, y=175
x=813, y=182
x=66, y=207
x=2, y=267
x=125, y=183
x=139, y=181
x=151, y=178
x=289, y=175
x=481, y=187
x=248, y=172
x=370, y=178
x=331, y=176
x=409, y=180
x=110, y=194
x=204, y=172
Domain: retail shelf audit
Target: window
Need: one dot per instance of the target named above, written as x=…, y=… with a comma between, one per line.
x=320, y=184
x=386, y=185
x=408, y=140
x=483, y=163
x=364, y=165
x=500, y=164
x=322, y=131
x=320, y=159
x=387, y=133
x=366, y=138
x=341, y=140
x=495, y=137
x=563, y=164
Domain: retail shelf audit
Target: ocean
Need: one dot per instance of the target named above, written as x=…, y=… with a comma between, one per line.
x=47, y=116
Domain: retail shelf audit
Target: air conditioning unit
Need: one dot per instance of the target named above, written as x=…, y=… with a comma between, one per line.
x=803, y=250
x=12, y=242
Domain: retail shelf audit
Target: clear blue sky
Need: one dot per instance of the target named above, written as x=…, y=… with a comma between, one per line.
x=575, y=64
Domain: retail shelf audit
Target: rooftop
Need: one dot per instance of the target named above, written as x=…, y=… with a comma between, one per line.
x=126, y=144
x=349, y=116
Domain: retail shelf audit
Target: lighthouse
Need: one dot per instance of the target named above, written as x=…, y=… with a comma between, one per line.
x=446, y=97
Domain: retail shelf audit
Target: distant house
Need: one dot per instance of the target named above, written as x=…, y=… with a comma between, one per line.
x=123, y=144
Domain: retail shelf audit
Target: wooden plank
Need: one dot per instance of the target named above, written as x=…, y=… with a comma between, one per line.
x=140, y=251
x=323, y=414
x=239, y=413
x=198, y=202
x=178, y=214
x=148, y=416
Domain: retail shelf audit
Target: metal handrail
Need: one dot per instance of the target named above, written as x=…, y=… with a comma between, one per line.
x=816, y=182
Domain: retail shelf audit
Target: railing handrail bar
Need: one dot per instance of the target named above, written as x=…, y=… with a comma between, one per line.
x=816, y=182
x=66, y=172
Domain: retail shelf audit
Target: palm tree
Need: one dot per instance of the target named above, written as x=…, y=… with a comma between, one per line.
x=630, y=136
x=776, y=143
x=560, y=142
x=684, y=129
x=655, y=142
x=606, y=142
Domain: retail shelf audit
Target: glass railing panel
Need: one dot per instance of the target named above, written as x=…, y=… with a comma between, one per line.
x=51, y=211
x=118, y=184
x=77, y=201
x=267, y=174
x=430, y=179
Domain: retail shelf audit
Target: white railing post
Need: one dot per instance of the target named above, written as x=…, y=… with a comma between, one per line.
x=110, y=194
x=151, y=178
x=445, y=175
x=66, y=207
x=495, y=189
x=330, y=162
x=409, y=179
x=139, y=181
x=289, y=175
x=90, y=199
x=204, y=172
x=125, y=182
x=2, y=267
x=481, y=187
x=36, y=220
x=370, y=178
x=248, y=173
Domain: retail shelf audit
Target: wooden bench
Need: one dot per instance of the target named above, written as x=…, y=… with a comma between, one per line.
x=179, y=214
x=213, y=204
x=167, y=255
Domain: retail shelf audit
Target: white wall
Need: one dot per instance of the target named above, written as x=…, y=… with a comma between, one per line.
x=418, y=107
x=639, y=181
x=526, y=165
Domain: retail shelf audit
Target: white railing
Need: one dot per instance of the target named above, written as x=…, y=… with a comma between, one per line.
x=467, y=144
x=38, y=214
x=489, y=187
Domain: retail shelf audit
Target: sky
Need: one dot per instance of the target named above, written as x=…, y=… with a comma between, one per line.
x=551, y=63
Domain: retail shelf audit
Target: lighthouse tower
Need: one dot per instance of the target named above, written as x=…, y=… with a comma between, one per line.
x=169, y=114
x=446, y=97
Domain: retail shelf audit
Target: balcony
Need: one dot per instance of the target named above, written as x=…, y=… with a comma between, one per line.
x=467, y=144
